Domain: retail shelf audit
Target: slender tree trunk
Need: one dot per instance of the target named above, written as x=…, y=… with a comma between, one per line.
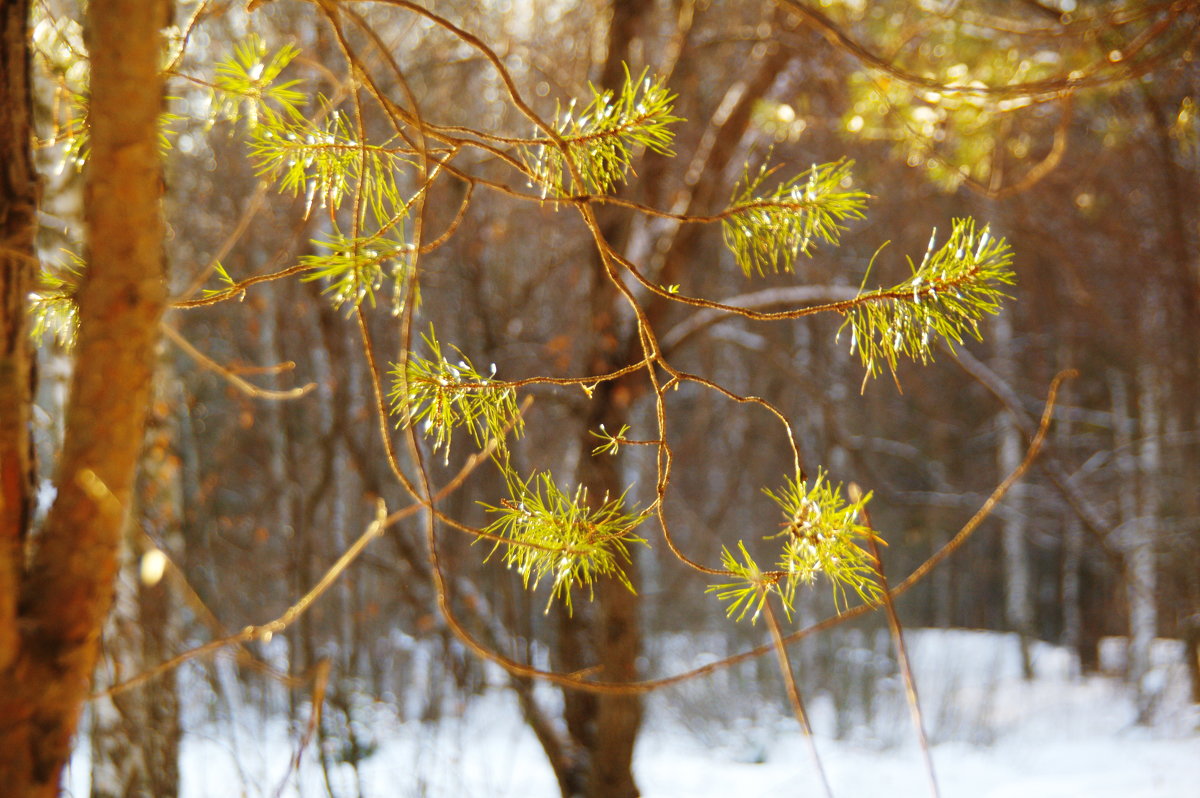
x=604, y=728
x=1072, y=557
x=136, y=734
x=18, y=224
x=1018, y=605
x=618, y=638
x=1143, y=583
x=67, y=590
x=1136, y=539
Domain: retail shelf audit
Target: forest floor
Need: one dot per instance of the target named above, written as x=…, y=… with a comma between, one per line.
x=995, y=735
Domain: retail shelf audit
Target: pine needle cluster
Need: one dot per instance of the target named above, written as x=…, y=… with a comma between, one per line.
x=768, y=231
x=443, y=396
x=328, y=162
x=602, y=139
x=557, y=535
x=946, y=297
x=325, y=159
x=356, y=268
x=821, y=536
x=54, y=304
x=246, y=84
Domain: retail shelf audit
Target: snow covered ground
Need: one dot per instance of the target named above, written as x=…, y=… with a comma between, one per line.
x=995, y=736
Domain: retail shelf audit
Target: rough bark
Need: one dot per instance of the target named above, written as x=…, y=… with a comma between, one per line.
x=18, y=223
x=67, y=591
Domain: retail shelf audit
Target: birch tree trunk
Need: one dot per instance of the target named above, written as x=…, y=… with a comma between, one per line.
x=1143, y=575
x=1137, y=462
x=1018, y=606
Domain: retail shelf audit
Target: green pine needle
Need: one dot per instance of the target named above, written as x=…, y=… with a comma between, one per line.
x=610, y=443
x=356, y=268
x=556, y=535
x=601, y=140
x=245, y=83
x=751, y=589
x=54, y=303
x=946, y=297
x=329, y=163
x=443, y=396
x=767, y=232
x=822, y=534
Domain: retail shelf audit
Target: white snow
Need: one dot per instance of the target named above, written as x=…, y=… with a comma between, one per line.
x=995, y=736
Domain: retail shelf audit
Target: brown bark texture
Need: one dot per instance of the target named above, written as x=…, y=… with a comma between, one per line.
x=67, y=588
x=18, y=223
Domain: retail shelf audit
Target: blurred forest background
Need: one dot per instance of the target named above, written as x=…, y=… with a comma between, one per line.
x=1070, y=128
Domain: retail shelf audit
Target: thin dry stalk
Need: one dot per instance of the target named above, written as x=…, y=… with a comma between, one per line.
x=897, y=632
x=793, y=691
x=266, y=631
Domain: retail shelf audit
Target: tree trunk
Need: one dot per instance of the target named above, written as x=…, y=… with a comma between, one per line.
x=1136, y=537
x=1018, y=606
x=67, y=591
x=617, y=637
x=604, y=728
x=18, y=224
x=1143, y=581
x=136, y=734
x=1071, y=584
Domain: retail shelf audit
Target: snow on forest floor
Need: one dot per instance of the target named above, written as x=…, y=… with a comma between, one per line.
x=995, y=736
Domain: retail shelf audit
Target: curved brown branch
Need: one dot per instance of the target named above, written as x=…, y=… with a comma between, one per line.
x=266, y=631
x=597, y=686
x=242, y=385
x=1102, y=73
x=770, y=297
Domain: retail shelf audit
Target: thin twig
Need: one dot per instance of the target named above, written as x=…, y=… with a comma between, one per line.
x=910, y=683
x=266, y=631
x=793, y=691
x=242, y=385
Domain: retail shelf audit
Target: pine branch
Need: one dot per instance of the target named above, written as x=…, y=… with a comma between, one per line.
x=822, y=533
x=328, y=162
x=601, y=140
x=356, y=268
x=946, y=297
x=751, y=589
x=556, y=535
x=769, y=231
x=443, y=396
x=245, y=83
